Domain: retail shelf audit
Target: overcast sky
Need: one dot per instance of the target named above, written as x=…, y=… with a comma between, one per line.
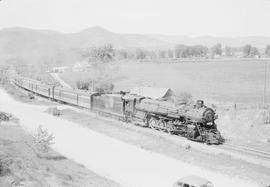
x=184, y=17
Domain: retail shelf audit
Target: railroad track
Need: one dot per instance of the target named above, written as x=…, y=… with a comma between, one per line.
x=247, y=150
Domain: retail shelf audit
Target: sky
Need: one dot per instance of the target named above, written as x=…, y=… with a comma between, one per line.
x=231, y=18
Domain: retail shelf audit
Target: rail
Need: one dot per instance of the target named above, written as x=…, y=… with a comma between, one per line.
x=247, y=150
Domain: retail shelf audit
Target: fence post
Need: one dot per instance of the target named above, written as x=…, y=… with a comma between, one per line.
x=53, y=92
x=235, y=110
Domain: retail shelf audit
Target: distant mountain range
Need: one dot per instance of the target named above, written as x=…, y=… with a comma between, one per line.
x=35, y=44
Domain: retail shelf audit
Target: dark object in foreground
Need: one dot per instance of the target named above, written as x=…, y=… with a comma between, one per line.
x=5, y=116
x=196, y=122
x=31, y=96
x=193, y=181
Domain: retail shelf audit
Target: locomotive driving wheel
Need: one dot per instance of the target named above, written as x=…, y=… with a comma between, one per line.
x=161, y=125
x=153, y=123
x=170, y=127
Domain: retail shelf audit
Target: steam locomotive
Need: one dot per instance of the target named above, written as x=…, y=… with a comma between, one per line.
x=196, y=122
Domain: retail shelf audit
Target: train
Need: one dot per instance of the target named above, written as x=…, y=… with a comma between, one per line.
x=196, y=122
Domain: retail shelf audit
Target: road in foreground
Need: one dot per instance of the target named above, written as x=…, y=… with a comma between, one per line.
x=121, y=162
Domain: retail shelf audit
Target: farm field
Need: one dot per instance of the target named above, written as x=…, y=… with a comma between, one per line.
x=237, y=82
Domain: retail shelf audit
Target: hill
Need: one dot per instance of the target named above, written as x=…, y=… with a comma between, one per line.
x=32, y=45
x=44, y=45
x=100, y=36
x=35, y=46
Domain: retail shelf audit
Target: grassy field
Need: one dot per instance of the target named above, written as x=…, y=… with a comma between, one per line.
x=232, y=81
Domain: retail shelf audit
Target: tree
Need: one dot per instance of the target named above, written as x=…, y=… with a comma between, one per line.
x=141, y=54
x=152, y=54
x=43, y=140
x=267, y=50
x=122, y=54
x=179, y=50
x=246, y=50
x=250, y=51
x=254, y=51
x=229, y=51
x=104, y=53
x=183, y=51
x=170, y=53
x=216, y=50
x=197, y=51
x=162, y=54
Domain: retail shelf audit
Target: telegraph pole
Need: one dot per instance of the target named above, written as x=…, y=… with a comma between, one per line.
x=265, y=83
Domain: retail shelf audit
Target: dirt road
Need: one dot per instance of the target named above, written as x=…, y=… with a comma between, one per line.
x=119, y=161
x=58, y=79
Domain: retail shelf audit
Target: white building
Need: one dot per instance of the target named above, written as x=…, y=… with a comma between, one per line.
x=60, y=69
x=81, y=66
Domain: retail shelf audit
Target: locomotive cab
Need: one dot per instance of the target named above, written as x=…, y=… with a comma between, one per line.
x=130, y=111
x=129, y=102
x=129, y=105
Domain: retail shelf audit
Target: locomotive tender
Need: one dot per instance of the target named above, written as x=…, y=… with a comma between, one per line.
x=196, y=122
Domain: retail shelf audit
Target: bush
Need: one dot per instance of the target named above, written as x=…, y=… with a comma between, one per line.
x=4, y=169
x=83, y=85
x=99, y=87
x=104, y=87
x=5, y=116
x=30, y=96
x=3, y=74
x=266, y=117
x=54, y=111
x=43, y=140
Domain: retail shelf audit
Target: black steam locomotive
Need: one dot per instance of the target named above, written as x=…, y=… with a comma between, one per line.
x=196, y=122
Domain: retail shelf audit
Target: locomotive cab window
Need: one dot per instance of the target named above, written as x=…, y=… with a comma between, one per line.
x=129, y=105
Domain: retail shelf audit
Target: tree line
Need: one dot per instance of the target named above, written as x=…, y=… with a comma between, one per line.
x=108, y=53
